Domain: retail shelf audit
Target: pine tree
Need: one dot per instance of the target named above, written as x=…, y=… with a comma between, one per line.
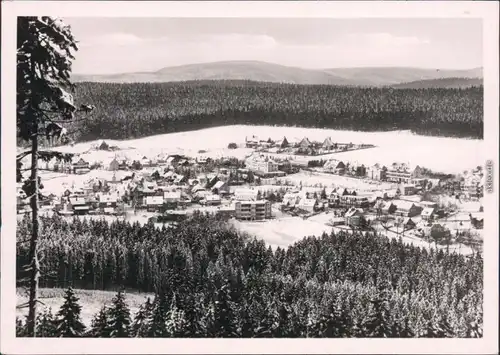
x=157, y=325
x=68, y=322
x=377, y=323
x=100, y=327
x=119, y=317
x=177, y=326
x=44, y=57
x=139, y=326
x=224, y=313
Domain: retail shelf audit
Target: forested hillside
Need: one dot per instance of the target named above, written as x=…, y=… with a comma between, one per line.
x=211, y=281
x=137, y=110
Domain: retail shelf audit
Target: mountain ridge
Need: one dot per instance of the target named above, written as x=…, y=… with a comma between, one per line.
x=277, y=73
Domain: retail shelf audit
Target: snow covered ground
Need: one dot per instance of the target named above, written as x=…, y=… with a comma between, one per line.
x=448, y=155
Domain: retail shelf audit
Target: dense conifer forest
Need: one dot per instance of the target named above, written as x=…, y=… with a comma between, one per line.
x=212, y=281
x=142, y=109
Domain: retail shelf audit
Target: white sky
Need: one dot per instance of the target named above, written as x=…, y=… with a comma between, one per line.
x=118, y=45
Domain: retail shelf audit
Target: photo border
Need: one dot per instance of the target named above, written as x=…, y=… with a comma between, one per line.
x=487, y=11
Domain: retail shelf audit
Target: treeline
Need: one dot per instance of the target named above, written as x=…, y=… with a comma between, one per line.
x=217, y=282
x=141, y=109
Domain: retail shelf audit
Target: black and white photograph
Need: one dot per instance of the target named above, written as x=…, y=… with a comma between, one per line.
x=231, y=175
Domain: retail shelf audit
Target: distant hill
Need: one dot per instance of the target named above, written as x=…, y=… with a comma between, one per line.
x=444, y=83
x=269, y=72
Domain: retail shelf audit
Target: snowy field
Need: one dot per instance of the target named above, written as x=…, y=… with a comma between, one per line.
x=448, y=155
x=307, y=178
x=285, y=231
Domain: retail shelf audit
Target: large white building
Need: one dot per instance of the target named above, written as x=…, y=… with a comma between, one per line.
x=263, y=166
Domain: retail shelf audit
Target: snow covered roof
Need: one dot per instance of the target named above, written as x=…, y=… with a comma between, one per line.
x=427, y=211
x=212, y=198
x=353, y=212
x=154, y=200
x=403, y=205
x=218, y=184
x=197, y=188
x=172, y=194
x=107, y=198
x=307, y=202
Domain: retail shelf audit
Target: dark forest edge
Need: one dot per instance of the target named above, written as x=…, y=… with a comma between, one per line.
x=126, y=111
x=212, y=281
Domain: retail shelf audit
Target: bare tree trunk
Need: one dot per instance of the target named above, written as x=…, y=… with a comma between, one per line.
x=33, y=251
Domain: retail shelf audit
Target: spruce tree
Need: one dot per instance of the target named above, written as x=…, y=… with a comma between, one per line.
x=68, y=322
x=119, y=317
x=377, y=323
x=100, y=327
x=224, y=313
x=139, y=326
x=176, y=323
x=157, y=327
x=45, y=48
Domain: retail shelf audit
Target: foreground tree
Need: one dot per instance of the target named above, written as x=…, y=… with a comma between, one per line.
x=68, y=322
x=44, y=58
x=119, y=317
x=100, y=325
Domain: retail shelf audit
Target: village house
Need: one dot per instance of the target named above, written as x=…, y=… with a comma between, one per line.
x=290, y=199
x=407, y=208
x=305, y=143
x=252, y=210
x=376, y=172
x=252, y=142
x=401, y=173
x=388, y=208
x=107, y=203
x=334, y=166
x=220, y=188
x=79, y=205
x=328, y=144
x=211, y=200
x=172, y=197
x=408, y=223
x=408, y=189
x=347, y=198
x=153, y=203
x=428, y=213
x=282, y=143
x=81, y=166
x=308, y=205
x=354, y=217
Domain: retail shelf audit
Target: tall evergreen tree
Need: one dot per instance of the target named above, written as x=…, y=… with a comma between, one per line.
x=68, y=321
x=100, y=327
x=45, y=49
x=176, y=323
x=119, y=317
x=140, y=324
x=157, y=327
x=377, y=323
